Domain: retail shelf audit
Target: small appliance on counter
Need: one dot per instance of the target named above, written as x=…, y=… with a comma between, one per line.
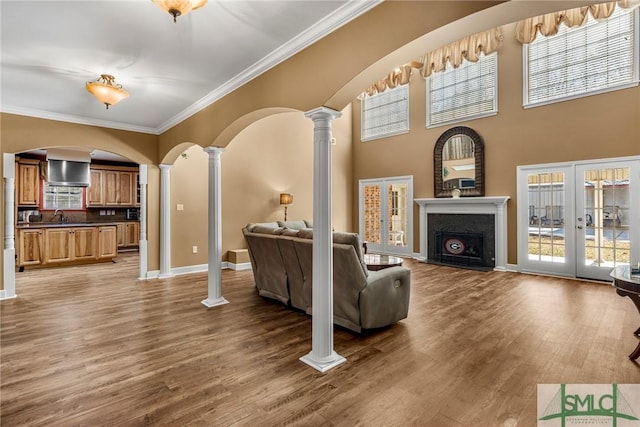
x=133, y=214
x=29, y=216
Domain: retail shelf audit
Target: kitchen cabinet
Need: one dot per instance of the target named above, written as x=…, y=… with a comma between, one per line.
x=133, y=234
x=30, y=247
x=57, y=245
x=107, y=247
x=62, y=245
x=28, y=182
x=128, y=234
x=85, y=243
x=95, y=192
x=112, y=187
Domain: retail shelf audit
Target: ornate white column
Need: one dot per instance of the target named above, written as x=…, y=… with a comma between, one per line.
x=165, y=221
x=322, y=357
x=214, y=286
x=9, y=254
x=144, y=262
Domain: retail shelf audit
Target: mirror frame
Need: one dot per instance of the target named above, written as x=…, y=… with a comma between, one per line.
x=478, y=150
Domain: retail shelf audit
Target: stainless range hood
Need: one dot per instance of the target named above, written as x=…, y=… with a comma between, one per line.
x=68, y=173
x=68, y=168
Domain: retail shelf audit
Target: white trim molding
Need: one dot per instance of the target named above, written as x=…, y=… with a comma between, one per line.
x=495, y=205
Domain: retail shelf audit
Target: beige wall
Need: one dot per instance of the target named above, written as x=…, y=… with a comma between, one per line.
x=271, y=156
x=595, y=127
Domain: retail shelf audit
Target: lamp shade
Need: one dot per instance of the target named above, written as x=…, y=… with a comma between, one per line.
x=286, y=199
x=106, y=90
x=177, y=8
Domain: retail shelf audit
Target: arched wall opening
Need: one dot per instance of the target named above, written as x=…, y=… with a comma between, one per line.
x=272, y=154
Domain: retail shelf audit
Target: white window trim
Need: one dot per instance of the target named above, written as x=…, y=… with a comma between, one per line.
x=467, y=118
x=388, y=134
x=633, y=83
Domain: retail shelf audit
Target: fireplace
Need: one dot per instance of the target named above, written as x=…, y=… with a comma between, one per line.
x=457, y=248
x=464, y=232
x=466, y=240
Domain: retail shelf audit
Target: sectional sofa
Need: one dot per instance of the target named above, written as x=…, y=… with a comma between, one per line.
x=281, y=258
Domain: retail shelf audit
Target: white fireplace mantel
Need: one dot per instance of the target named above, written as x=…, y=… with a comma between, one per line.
x=495, y=205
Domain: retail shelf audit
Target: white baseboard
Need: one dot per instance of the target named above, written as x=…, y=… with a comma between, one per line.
x=189, y=269
x=238, y=267
x=3, y=295
x=513, y=268
x=200, y=268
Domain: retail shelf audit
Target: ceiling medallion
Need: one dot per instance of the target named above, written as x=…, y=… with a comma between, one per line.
x=177, y=8
x=106, y=90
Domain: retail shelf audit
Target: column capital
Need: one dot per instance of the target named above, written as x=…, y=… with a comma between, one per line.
x=212, y=151
x=165, y=167
x=323, y=113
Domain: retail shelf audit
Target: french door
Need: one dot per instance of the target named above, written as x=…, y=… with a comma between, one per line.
x=579, y=219
x=386, y=214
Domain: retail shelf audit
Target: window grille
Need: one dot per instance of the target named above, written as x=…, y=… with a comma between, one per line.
x=385, y=114
x=576, y=62
x=463, y=93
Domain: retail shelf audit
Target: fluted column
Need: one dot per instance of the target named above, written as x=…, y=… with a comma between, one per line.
x=214, y=285
x=9, y=253
x=144, y=262
x=322, y=356
x=165, y=221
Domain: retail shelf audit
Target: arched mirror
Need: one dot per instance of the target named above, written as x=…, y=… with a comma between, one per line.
x=459, y=163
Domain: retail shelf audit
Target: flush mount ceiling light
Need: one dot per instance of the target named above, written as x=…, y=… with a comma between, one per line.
x=106, y=90
x=177, y=8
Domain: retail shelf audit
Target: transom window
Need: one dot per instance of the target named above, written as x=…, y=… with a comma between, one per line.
x=59, y=197
x=463, y=93
x=576, y=62
x=385, y=114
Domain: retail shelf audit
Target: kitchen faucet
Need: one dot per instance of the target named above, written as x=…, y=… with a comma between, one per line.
x=61, y=213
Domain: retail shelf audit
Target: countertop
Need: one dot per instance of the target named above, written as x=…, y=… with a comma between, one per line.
x=67, y=224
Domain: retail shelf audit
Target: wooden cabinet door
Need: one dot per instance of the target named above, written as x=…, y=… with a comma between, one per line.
x=85, y=243
x=126, y=184
x=121, y=232
x=133, y=234
x=29, y=247
x=107, y=246
x=57, y=245
x=111, y=187
x=29, y=186
x=95, y=192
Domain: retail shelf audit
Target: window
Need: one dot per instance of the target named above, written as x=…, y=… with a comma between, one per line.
x=58, y=197
x=576, y=62
x=463, y=93
x=385, y=114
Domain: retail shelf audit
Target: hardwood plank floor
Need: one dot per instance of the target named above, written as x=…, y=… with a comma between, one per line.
x=93, y=346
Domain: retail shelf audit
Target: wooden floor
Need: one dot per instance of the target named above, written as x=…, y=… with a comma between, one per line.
x=93, y=346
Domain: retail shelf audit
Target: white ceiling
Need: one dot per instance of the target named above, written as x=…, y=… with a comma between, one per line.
x=50, y=49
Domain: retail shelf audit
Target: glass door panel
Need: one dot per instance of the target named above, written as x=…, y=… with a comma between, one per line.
x=604, y=228
x=546, y=230
x=386, y=215
x=372, y=215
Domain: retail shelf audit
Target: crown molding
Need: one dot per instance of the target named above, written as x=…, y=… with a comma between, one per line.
x=341, y=16
x=22, y=111
x=328, y=24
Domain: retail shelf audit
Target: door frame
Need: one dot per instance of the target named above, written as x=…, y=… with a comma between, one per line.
x=406, y=250
x=570, y=269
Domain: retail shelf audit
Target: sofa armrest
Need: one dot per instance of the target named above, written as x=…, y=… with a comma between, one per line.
x=385, y=299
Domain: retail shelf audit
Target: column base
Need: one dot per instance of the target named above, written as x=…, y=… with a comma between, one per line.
x=325, y=363
x=214, y=302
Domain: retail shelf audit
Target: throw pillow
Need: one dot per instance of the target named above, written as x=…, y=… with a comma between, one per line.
x=295, y=225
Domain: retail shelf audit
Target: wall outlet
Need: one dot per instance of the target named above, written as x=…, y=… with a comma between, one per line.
x=194, y=249
x=180, y=207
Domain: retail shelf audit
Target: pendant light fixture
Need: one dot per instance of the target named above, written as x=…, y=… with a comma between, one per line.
x=177, y=8
x=106, y=90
